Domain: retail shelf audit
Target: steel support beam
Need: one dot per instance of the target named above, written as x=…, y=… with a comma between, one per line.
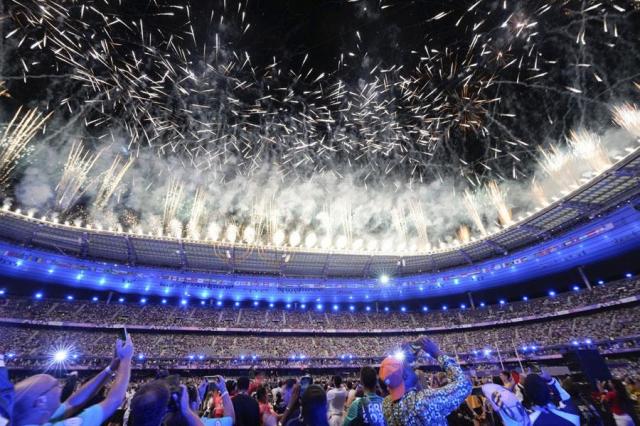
x=497, y=247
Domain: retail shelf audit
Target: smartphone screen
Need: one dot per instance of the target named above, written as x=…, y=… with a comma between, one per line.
x=122, y=334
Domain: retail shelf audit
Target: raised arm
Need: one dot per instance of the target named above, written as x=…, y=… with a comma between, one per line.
x=124, y=351
x=227, y=404
x=191, y=417
x=458, y=388
x=79, y=398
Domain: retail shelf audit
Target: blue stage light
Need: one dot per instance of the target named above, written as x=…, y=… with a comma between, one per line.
x=425, y=309
x=482, y=304
x=463, y=306
x=121, y=300
x=319, y=306
x=445, y=307
x=352, y=308
x=202, y=302
x=237, y=304
x=386, y=309
x=502, y=302
x=552, y=293
x=271, y=305
x=143, y=300
x=288, y=305
x=336, y=307
x=256, y=303
x=600, y=282
x=576, y=288
x=303, y=306
x=525, y=298
x=94, y=299
x=403, y=309
x=69, y=297
x=368, y=308
x=38, y=295
x=164, y=301
x=183, y=302
x=384, y=279
x=628, y=275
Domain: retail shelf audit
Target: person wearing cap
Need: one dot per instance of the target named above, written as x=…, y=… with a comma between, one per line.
x=37, y=398
x=407, y=404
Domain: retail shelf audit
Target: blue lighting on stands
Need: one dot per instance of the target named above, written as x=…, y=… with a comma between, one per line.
x=143, y=300
x=384, y=279
x=102, y=281
x=271, y=305
x=628, y=275
x=288, y=305
x=50, y=270
x=94, y=299
x=183, y=302
x=121, y=300
x=352, y=308
x=552, y=293
x=79, y=276
x=303, y=306
x=575, y=343
x=202, y=302
x=576, y=288
x=319, y=306
x=336, y=307
x=600, y=282
x=525, y=298
x=502, y=302
x=69, y=297
x=164, y=301
x=236, y=304
x=386, y=309
x=403, y=309
x=445, y=307
x=19, y=262
x=140, y=357
x=588, y=341
x=256, y=303
x=463, y=306
x=38, y=295
x=482, y=304
x=368, y=308
x=425, y=309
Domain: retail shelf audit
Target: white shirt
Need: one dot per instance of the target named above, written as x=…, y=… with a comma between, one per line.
x=336, y=398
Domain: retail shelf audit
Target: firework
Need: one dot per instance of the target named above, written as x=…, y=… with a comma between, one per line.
x=172, y=202
x=497, y=196
x=111, y=180
x=75, y=176
x=15, y=140
x=472, y=210
x=627, y=116
x=587, y=146
x=197, y=212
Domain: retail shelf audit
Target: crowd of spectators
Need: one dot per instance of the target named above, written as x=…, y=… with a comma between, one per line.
x=212, y=316
x=610, y=330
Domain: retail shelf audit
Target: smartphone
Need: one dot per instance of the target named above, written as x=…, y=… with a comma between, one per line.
x=122, y=334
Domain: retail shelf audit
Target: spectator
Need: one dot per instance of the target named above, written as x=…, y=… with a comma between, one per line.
x=6, y=394
x=37, y=399
x=539, y=390
x=619, y=402
x=246, y=408
x=410, y=406
x=336, y=397
x=313, y=411
x=268, y=417
x=366, y=410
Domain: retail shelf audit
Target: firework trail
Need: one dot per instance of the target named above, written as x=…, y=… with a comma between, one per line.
x=172, y=202
x=15, y=140
x=472, y=210
x=497, y=196
x=75, y=176
x=111, y=180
